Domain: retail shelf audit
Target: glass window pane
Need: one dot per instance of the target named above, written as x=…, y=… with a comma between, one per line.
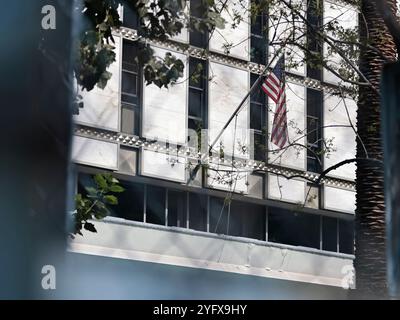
x=130, y=17
x=257, y=25
x=314, y=73
x=195, y=103
x=177, y=201
x=85, y=180
x=256, y=121
x=257, y=51
x=312, y=130
x=218, y=215
x=198, y=39
x=298, y=229
x=155, y=205
x=129, y=83
x=130, y=202
x=329, y=234
x=312, y=163
x=129, y=54
x=129, y=99
x=197, y=71
x=259, y=147
x=314, y=103
x=197, y=212
x=346, y=236
x=257, y=95
x=247, y=220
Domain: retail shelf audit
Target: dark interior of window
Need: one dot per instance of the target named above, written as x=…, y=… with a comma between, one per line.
x=197, y=212
x=130, y=202
x=329, y=234
x=258, y=47
x=314, y=131
x=177, y=208
x=130, y=102
x=298, y=229
x=239, y=219
x=314, y=18
x=346, y=236
x=218, y=215
x=155, y=205
x=198, y=10
x=258, y=119
x=247, y=220
x=130, y=19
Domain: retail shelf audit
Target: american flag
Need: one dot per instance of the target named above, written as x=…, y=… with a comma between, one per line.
x=274, y=87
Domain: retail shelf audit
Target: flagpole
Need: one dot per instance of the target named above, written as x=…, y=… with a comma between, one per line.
x=255, y=84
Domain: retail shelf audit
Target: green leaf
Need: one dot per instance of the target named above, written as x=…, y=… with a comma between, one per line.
x=90, y=227
x=110, y=199
x=91, y=190
x=116, y=188
x=100, y=181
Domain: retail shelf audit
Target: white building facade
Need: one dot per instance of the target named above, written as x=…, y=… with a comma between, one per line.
x=251, y=212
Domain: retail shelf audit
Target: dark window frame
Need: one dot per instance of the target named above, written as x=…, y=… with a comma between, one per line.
x=258, y=37
x=129, y=100
x=259, y=100
x=314, y=114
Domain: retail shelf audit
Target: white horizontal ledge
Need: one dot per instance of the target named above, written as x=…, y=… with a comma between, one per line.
x=211, y=252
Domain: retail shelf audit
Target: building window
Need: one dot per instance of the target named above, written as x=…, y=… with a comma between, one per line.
x=131, y=88
x=247, y=220
x=314, y=17
x=155, y=205
x=198, y=10
x=329, y=234
x=293, y=228
x=346, y=236
x=314, y=130
x=258, y=119
x=197, y=94
x=130, y=202
x=130, y=17
x=198, y=212
x=237, y=219
x=219, y=216
x=258, y=42
x=177, y=209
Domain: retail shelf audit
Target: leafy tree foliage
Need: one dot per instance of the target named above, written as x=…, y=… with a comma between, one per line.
x=158, y=20
x=94, y=204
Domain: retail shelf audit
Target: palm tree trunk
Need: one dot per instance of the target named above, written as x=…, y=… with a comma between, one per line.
x=370, y=262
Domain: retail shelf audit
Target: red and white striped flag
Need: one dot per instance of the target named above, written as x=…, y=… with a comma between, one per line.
x=274, y=87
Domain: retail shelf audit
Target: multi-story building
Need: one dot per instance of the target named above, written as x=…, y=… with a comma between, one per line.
x=249, y=223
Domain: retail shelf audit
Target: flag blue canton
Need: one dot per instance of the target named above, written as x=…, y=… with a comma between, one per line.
x=279, y=67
